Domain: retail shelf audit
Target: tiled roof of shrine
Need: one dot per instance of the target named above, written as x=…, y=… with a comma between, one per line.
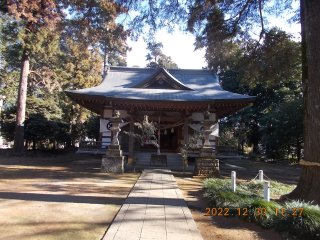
x=160, y=84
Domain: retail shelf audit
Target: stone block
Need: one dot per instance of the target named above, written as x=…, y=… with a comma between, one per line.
x=114, y=147
x=207, y=167
x=207, y=155
x=207, y=149
x=111, y=164
x=115, y=153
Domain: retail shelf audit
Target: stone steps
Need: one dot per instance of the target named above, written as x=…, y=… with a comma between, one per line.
x=173, y=159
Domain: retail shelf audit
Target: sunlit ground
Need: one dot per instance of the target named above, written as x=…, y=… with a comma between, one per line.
x=58, y=201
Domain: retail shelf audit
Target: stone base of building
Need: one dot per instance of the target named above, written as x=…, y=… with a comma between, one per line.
x=113, y=161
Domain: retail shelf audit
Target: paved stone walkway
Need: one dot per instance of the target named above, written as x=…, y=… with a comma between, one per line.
x=154, y=209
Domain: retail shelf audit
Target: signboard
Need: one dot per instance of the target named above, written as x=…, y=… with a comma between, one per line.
x=106, y=125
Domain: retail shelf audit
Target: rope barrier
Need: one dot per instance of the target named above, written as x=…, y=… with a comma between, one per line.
x=309, y=164
x=267, y=177
x=255, y=177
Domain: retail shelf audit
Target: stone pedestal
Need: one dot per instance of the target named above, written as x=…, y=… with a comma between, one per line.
x=207, y=167
x=113, y=161
x=207, y=164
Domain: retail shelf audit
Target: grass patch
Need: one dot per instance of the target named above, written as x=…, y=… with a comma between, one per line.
x=305, y=223
x=284, y=217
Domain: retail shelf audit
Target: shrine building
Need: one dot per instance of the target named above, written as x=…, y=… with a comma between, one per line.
x=174, y=98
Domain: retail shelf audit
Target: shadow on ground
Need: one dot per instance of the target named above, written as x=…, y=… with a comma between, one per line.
x=223, y=228
x=61, y=197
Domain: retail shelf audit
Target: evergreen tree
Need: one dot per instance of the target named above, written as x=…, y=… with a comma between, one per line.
x=157, y=58
x=90, y=42
x=94, y=23
x=250, y=71
x=93, y=126
x=10, y=52
x=231, y=21
x=90, y=32
x=38, y=35
x=308, y=187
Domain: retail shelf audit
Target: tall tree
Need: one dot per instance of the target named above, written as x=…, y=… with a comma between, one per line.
x=308, y=187
x=42, y=117
x=157, y=58
x=10, y=51
x=96, y=21
x=91, y=40
x=38, y=35
x=268, y=69
x=233, y=20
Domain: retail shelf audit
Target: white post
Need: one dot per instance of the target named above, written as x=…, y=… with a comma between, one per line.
x=233, y=181
x=266, y=190
x=158, y=150
x=261, y=175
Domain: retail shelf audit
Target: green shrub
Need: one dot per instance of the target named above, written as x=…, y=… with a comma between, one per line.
x=305, y=224
x=262, y=212
x=256, y=187
x=253, y=187
x=226, y=199
x=218, y=194
x=248, y=197
x=216, y=184
x=278, y=189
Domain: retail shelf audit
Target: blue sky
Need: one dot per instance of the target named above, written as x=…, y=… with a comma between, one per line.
x=177, y=45
x=180, y=46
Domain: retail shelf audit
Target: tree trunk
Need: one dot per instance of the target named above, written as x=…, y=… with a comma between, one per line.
x=308, y=187
x=105, y=61
x=21, y=105
x=34, y=144
x=26, y=147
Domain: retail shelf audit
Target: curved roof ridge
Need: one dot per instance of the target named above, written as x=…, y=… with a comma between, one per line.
x=166, y=76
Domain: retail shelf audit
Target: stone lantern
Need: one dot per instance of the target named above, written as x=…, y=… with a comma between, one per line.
x=113, y=161
x=207, y=164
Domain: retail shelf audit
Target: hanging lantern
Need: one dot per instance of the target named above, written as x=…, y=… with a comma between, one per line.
x=165, y=132
x=172, y=130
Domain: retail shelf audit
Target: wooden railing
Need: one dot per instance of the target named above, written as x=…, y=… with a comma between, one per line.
x=227, y=150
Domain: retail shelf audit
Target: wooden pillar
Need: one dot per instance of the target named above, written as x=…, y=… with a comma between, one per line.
x=113, y=109
x=185, y=137
x=101, y=117
x=131, y=142
x=185, y=130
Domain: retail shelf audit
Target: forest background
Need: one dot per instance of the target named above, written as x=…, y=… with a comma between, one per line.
x=74, y=53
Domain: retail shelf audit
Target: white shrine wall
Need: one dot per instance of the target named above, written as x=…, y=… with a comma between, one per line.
x=105, y=134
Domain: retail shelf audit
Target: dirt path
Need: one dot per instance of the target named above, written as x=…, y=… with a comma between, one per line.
x=222, y=228
x=65, y=197
x=56, y=198
x=218, y=227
